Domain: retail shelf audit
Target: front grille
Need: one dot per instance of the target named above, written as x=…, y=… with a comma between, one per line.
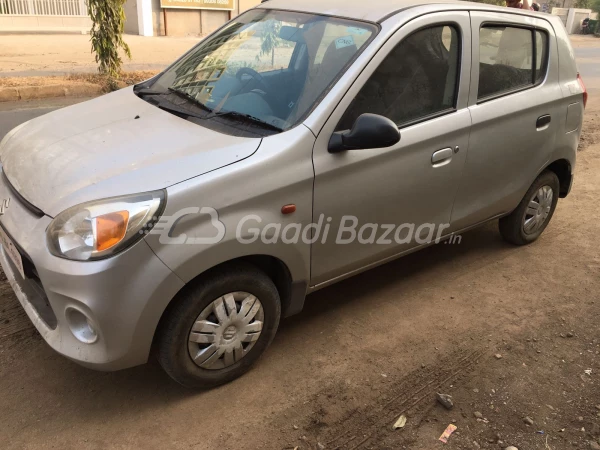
x=32, y=286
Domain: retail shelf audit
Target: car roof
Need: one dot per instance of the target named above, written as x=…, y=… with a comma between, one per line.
x=370, y=10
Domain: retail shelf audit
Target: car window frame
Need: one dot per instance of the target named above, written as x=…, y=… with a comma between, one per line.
x=545, y=61
x=459, y=67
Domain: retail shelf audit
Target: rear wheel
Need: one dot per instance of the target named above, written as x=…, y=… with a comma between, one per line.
x=527, y=222
x=219, y=326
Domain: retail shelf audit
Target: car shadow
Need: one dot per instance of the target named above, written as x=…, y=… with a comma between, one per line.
x=475, y=244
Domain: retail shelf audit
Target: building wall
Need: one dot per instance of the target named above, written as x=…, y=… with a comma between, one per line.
x=183, y=22
x=45, y=23
x=131, y=20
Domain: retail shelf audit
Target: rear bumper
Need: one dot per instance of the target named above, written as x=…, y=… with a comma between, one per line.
x=121, y=298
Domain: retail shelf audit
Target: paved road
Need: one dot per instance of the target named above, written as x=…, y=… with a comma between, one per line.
x=15, y=113
x=587, y=62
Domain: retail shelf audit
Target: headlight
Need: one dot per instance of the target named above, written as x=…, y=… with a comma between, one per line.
x=102, y=228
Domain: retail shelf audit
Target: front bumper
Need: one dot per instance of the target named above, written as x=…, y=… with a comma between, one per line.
x=122, y=297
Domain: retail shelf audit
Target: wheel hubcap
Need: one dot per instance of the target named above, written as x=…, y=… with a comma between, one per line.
x=538, y=209
x=226, y=330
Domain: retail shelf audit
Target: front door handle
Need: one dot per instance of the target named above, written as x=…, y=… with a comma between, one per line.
x=441, y=157
x=543, y=122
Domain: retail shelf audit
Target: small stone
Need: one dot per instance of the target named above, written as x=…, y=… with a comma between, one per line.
x=580, y=418
x=478, y=415
x=295, y=427
x=445, y=400
x=598, y=407
x=498, y=356
x=303, y=438
x=528, y=420
x=321, y=446
x=570, y=334
x=512, y=447
x=476, y=444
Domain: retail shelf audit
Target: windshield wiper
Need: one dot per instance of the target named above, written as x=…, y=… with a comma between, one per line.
x=148, y=91
x=173, y=108
x=191, y=98
x=247, y=117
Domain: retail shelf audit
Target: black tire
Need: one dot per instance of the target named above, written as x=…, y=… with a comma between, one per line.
x=511, y=226
x=176, y=324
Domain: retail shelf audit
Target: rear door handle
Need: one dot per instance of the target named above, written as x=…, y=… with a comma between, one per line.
x=543, y=122
x=441, y=157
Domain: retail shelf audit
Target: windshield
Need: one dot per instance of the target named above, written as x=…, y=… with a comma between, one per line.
x=268, y=67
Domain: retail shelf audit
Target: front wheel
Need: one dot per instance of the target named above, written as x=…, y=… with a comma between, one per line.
x=219, y=326
x=527, y=222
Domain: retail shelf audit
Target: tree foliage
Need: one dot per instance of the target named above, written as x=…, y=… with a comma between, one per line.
x=582, y=4
x=108, y=22
x=270, y=38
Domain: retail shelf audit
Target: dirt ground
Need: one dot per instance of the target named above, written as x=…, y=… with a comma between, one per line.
x=509, y=332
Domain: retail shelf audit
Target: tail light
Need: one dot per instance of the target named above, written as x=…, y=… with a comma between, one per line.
x=585, y=93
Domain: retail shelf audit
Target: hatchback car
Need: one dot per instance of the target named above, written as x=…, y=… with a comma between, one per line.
x=301, y=143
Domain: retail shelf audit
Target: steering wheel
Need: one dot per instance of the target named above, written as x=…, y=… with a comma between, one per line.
x=254, y=75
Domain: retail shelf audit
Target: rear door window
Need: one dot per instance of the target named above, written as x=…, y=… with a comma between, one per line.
x=510, y=59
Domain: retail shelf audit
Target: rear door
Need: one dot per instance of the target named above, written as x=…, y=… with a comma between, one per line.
x=515, y=105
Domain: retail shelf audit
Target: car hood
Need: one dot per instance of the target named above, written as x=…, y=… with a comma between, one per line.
x=114, y=145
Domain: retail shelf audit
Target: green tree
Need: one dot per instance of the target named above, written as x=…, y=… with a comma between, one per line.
x=108, y=22
x=582, y=4
x=552, y=4
x=270, y=38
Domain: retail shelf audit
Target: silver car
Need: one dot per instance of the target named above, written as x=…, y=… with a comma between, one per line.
x=300, y=144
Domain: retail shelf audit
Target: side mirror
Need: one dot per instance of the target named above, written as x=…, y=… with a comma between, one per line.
x=368, y=131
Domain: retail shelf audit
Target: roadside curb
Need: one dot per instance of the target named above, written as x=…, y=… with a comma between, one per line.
x=13, y=94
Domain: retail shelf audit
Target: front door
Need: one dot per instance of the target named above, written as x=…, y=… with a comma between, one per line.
x=385, y=201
